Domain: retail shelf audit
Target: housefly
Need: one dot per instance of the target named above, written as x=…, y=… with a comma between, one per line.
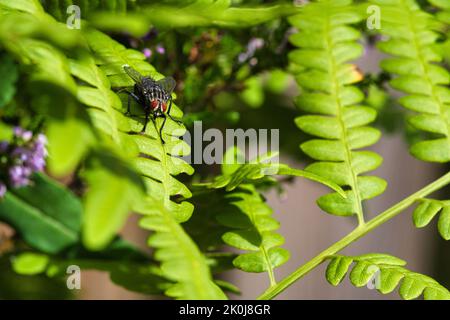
x=155, y=97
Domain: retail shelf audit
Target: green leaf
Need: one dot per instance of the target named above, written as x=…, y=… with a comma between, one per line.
x=428, y=209
x=425, y=212
x=337, y=269
x=253, y=230
x=444, y=223
x=362, y=273
x=414, y=52
x=387, y=272
x=51, y=225
x=59, y=134
x=9, y=73
x=326, y=43
x=432, y=150
x=258, y=262
x=30, y=263
x=110, y=197
x=253, y=94
x=233, y=201
x=320, y=126
x=181, y=261
x=198, y=14
x=389, y=280
x=336, y=204
x=411, y=288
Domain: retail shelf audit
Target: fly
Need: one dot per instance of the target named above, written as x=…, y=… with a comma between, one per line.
x=155, y=97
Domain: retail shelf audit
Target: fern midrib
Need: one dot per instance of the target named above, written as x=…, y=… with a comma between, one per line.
x=425, y=70
x=197, y=271
x=336, y=94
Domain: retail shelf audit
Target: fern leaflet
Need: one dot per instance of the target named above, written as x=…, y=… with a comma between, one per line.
x=428, y=209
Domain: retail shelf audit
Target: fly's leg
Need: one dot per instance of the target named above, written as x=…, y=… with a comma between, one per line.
x=147, y=114
x=168, y=113
x=162, y=127
x=135, y=96
x=130, y=95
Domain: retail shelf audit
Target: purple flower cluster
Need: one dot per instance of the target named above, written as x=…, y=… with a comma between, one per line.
x=253, y=45
x=21, y=157
x=149, y=52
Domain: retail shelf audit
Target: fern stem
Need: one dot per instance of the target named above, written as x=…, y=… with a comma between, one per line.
x=273, y=282
x=356, y=234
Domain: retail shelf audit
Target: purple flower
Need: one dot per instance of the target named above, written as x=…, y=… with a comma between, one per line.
x=147, y=52
x=19, y=176
x=20, y=153
x=255, y=44
x=160, y=49
x=27, y=156
x=26, y=135
x=36, y=163
x=2, y=189
x=242, y=57
x=18, y=131
x=42, y=139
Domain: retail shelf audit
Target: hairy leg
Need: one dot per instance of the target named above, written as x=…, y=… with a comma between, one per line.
x=170, y=116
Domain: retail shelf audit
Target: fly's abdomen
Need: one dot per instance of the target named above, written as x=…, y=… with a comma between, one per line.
x=158, y=99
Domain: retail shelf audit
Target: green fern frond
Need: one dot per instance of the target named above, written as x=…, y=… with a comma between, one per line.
x=137, y=16
x=386, y=272
x=332, y=105
x=58, y=8
x=412, y=43
x=428, y=209
x=254, y=231
x=158, y=163
x=181, y=260
x=215, y=13
x=244, y=219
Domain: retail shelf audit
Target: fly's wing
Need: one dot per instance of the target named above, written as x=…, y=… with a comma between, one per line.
x=167, y=84
x=133, y=74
